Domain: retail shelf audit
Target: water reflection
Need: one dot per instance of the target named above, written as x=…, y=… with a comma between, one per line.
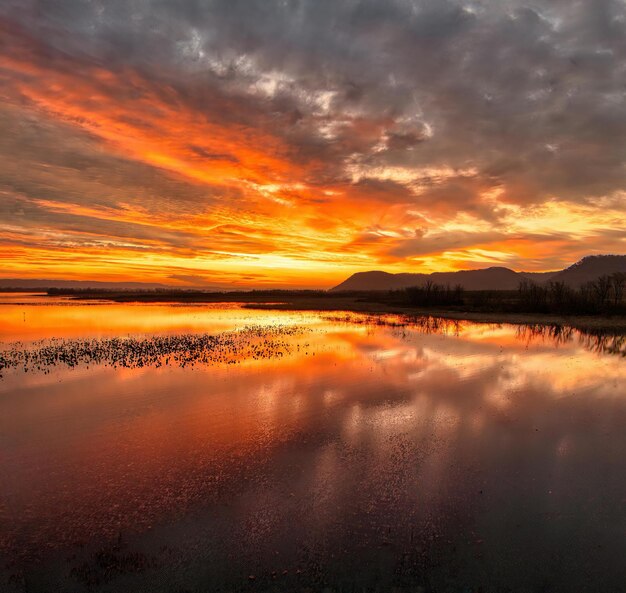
x=28, y=318
x=601, y=341
x=436, y=455
x=264, y=341
x=596, y=341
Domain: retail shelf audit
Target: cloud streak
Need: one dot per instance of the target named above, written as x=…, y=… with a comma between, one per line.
x=292, y=143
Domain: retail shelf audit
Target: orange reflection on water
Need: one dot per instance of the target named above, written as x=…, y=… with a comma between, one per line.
x=31, y=317
x=360, y=429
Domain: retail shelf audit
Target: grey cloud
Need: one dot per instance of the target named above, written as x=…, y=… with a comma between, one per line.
x=529, y=93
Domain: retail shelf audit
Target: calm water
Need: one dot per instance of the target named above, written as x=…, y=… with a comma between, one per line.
x=309, y=451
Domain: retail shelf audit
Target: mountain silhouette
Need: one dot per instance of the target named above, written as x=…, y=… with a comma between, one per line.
x=591, y=267
x=495, y=278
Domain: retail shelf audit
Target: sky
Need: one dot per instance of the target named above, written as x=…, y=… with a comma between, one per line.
x=276, y=143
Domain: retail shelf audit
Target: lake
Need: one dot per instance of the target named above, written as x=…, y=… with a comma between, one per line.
x=216, y=448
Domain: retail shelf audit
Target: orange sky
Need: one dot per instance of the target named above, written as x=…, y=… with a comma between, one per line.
x=116, y=169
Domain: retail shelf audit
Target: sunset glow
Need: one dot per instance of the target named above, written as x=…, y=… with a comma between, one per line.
x=258, y=147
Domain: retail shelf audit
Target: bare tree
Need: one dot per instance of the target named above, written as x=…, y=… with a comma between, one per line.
x=602, y=289
x=619, y=286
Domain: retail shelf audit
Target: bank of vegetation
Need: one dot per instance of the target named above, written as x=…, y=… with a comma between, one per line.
x=594, y=305
x=603, y=296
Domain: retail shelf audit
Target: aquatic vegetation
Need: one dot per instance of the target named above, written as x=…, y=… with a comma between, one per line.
x=251, y=342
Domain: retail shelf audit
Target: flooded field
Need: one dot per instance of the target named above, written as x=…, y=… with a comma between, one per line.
x=180, y=448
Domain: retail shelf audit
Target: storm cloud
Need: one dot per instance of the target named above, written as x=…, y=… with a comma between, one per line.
x=454, y=117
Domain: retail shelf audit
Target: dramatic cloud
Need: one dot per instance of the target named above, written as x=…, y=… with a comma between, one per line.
x=290, y=143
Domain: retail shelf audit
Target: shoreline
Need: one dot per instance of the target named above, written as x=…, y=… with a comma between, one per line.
x=364, y=303
x=615, y=324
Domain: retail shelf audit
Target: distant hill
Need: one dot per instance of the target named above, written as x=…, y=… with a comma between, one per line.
x=495, y=278
x=31, y=284
x=486, y=279
x=591, y=267
x=538, y=277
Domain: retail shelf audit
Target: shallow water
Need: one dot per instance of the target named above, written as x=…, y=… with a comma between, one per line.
x=323, y=451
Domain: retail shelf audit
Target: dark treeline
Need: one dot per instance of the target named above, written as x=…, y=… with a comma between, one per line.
x=432, y=294
x=184, y=294
x=603, y=296
x=182, y=291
